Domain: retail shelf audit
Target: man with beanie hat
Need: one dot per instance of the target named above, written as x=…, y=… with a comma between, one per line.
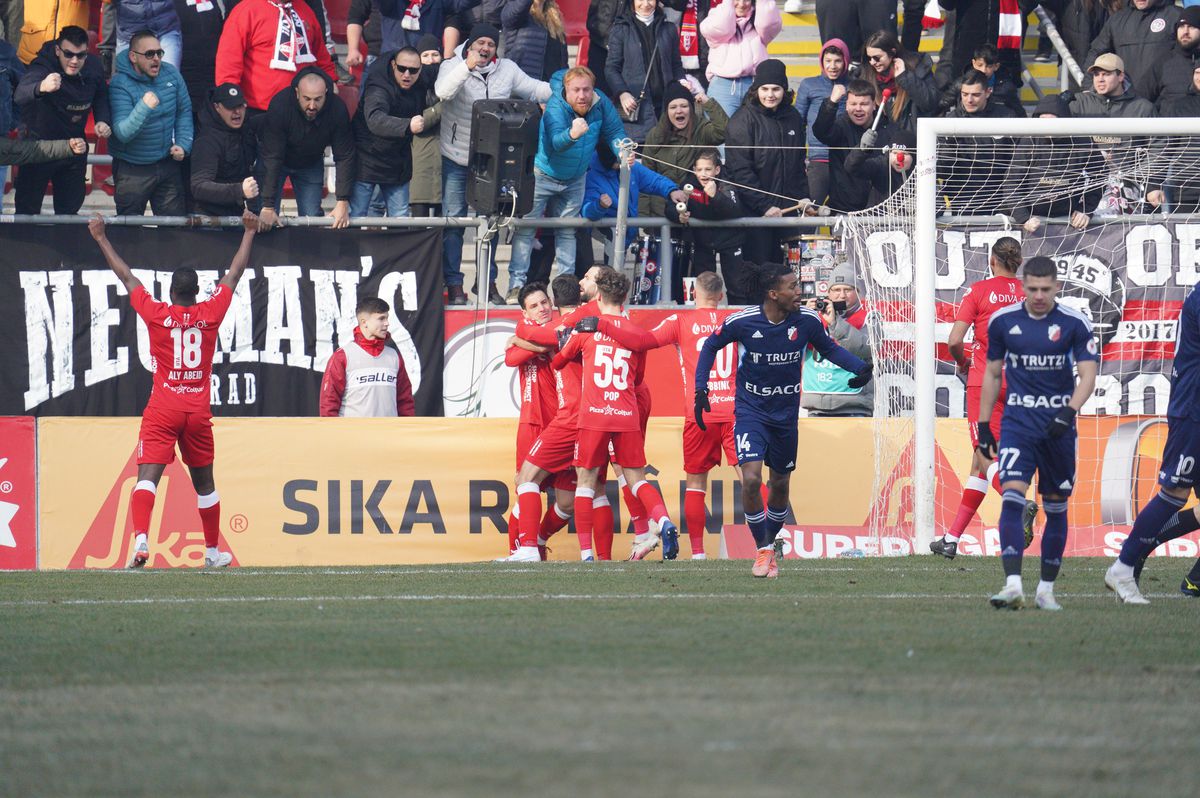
x=825, y=391
x=474, y=74
x=425, y=189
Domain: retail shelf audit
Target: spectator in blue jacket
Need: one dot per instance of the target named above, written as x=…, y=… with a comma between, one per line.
x=152, y=130
x=577, y=118
x=835, y=68
x=11, y=70
x=604, y=185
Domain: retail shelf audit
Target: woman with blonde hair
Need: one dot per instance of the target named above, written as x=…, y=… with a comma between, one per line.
x=532, y=33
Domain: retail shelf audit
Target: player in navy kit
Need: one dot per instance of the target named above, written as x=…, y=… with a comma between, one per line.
x=771, y=342
x=1038, y=345
x=1163, y=518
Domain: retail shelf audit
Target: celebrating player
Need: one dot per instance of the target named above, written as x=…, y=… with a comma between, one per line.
x=1036, y=346
x=771, y=342
x=687, y=331
x=610, y=413
x=1163, y=518
x=982, y=300
x=183, y=337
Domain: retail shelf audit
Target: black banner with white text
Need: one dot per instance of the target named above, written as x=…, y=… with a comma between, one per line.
x=70, y=344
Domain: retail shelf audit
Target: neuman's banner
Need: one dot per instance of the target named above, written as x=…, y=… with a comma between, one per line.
x=399, y=491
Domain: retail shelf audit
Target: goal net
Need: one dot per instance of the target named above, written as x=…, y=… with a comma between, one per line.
x=1128, y=269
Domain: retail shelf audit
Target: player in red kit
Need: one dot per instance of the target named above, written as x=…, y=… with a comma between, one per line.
x=183, y=337
x=982, y=300
x=686, y=330
x=610, y=415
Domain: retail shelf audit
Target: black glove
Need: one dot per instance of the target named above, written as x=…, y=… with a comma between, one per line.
x=987, y=441
x=861, y=378
x=563, y=335
x=702, y=407
x=1062, y=423
x=868, y=140
x=588, y=324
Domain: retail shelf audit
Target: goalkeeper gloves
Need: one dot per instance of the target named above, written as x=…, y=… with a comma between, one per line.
x=861, y=378
x=702, y=407
x=987, y=441
x=1062, y=423
x=588, y=324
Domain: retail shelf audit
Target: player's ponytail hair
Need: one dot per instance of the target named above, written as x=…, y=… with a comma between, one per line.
x=1007, y=251
x=758, y=279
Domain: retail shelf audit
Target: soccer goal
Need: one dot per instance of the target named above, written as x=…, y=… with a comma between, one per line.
x=1128, y=269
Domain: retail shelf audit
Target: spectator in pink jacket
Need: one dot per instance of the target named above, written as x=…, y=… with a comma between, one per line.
x=737, y=32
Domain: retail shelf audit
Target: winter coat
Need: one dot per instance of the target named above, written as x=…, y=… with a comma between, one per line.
x=363, y=12
x=287, y=138
x=600, y=18
x=626, y=68
x=525, y=39
x=736, y=47
x=872, y=165
x=917, y=81
x=1078, y=26
x=1055, y=177
x=847, y=332
x=247, y=48
x=1004, y=92
x=973, y=168
x=562, y=157
x=1140, y=38
x=811, y=95
x=382, y=132
x=726, y=204
x=61, y=114
x=977, y=22
x=201, y=25
x=44, y=20
x=1128, y=105
x=846, y=192
x=426, y=184
x=776, y=162
x=143, y=135
x=1170, y=79
x=603, y=180
x=222, y=158
x=459, y=88
x=134, y=15
x=15, y=152
x=678, y=147
x=11, y=70
x=1177, y=160
x=432, y=21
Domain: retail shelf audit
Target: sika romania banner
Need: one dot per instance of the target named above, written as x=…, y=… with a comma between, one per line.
x=399, y=491
x=18, y=493
x=71, y=346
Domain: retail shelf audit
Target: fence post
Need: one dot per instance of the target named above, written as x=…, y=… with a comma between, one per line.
x=622, y=207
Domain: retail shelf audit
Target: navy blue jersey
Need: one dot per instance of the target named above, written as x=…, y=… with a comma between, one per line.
x=770, y=359
x=1185, y=373
x=1039, y=357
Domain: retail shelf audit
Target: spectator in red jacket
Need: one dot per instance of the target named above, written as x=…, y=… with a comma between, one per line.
x=265, y=43
x=367, y=378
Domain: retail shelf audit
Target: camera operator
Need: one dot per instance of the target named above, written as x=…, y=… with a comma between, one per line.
x=825, y=388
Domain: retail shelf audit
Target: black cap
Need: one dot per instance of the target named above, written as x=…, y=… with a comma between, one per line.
x=771, y=72
x=481, y=30
x=229, y=95
x=1191, y=15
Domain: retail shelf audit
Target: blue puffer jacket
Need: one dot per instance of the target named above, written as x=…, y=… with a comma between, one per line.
x=604, y=180
x=562, y=157
x=141, y=135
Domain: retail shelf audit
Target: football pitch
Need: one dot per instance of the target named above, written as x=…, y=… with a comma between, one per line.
x=881, y=677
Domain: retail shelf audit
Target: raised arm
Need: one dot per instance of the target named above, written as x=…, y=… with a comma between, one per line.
x=242, y=258
x=115, y=262
x=630, y=336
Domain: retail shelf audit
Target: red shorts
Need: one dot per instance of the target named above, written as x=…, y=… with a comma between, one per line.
x=628, y=448
x=526, y=435
x=162, y=429
x=974, y=393
x=554, y=449
x=566, y=480
x=702, y=448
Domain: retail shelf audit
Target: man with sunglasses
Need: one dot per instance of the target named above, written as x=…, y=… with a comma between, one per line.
x=60, y=89
x=152, y=130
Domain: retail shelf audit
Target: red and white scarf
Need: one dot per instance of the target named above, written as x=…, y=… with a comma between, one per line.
x=1010, y=26
x=412, y=16
x=291, y=40
x=689, y=40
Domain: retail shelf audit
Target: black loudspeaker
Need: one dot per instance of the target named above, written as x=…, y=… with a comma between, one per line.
x=504, y=142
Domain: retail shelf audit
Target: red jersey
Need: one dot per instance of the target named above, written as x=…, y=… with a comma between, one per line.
x=979, y=303
x=609, y=396
x=182, y=342
x=539, y=395
x=688, y=329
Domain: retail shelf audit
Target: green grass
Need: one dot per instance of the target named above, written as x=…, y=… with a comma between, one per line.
x=847, y=677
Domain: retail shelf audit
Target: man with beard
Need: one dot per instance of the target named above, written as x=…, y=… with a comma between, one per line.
x=1170, y=78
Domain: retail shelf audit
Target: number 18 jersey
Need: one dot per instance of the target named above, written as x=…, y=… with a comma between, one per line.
x=183, y=339
x=610, y=374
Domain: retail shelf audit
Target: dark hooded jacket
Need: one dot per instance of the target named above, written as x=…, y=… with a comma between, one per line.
x=382, y=131
x=1170, y=79
x=221, y=159
x=1176, y=162
x=62, y=114
x=1140, y=38
x=972, y=168
x=766, y=151
x=526, y=38
x=287, y=138
x=847, y=192
x=632, y=65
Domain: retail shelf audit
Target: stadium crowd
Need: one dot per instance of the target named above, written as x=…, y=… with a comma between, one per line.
x=209, y=106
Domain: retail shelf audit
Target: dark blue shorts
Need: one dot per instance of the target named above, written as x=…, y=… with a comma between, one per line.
x=1022, y=454
x=1181, y=456
x=772, y=444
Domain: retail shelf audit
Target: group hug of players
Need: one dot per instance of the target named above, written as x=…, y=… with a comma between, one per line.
x=585, y=408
